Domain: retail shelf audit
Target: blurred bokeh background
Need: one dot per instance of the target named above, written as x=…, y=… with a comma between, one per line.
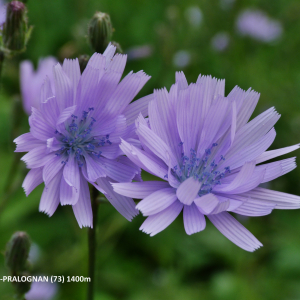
x=160, y=37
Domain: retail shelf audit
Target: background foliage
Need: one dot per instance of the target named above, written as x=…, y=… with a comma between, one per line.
x=171, y=265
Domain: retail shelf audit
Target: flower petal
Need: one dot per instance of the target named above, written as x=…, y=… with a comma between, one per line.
x=251, y=152
x=207, y=203
x=274, y=153
x=117, y=171
x=124, y=205
x=155, y=144
x=193, y=219
x=65, y=114
x=254, y=208
x=212, y=123
x=37, y=157
x=235, y=231
x=125, y=92
x=188, y=190
x=95, y=168
x=132, y=111
x=139, y=190
x=68, y=195
x=27, y=142
x=72, y=173
x=142, y=159
x=52, y=168
x=32, y=180
x=158, y=222
x=63, y=88
x=163, y=122
x=50, y=197
x=72, y=69
x=157, y=201
x=39, y=127
x=181, y=80
x=253, y=131
x=83, y=208
x=242, y=177
x=278, y=168
x=282, y=200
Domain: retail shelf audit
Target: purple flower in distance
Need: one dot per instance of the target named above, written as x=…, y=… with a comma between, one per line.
x=31, y=81
x=258, y=25
x=42, y=291
x=203, y=146
x=2, y=13
x=75, y=135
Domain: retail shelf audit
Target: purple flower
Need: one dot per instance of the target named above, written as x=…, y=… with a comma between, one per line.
x=2, y=13
x=75, y=135
x=200, y=144
x=220, y=41
x=42, y=291
x=31, y=81
x=258, y=25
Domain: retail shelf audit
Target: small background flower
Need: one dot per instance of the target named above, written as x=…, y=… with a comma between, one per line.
x=31, y=81
x=42, y=291
x=2, y=12
x=258, y=25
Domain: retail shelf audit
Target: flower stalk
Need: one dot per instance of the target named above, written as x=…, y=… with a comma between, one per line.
x=92, y=244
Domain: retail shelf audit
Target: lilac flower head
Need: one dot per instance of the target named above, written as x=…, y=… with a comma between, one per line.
x=31, y=81
x=258, y=25
x=199, y=142
x=42, y=291
x=75, y=135
x=2, y=12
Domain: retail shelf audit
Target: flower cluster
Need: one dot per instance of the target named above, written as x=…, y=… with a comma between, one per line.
x=201, y=144
x=198, y=141
x=75, y=135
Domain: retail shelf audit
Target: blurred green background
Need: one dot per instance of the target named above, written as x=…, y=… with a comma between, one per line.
x=171, y=265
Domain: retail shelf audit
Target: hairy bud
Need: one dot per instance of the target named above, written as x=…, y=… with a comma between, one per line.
x=17, y=250
x=15, y=29
x=100, y=31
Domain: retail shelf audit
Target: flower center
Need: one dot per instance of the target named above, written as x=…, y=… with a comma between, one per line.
x=78, y=140
x=203, y=169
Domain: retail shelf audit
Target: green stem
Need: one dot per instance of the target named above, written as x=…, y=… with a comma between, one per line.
x=92, y=244
x=2, y=56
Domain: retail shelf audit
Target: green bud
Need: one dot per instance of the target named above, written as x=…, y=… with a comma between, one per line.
x=100, y=31
x=17, y=250
x=22, y=287
x=15, y=29
x=83, y=61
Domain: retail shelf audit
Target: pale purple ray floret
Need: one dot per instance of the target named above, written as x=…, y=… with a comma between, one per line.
x=31, y=81
x=203, y=147
x=75, y=135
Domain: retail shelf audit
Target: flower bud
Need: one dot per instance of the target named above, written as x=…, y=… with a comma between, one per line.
x=17, y=250
x=100, y=31
x=15, y=28
x=21, y=286
x=83, y=61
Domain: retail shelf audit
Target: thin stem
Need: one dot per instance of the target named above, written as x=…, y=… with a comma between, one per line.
x=92, y=244
x=2, y=56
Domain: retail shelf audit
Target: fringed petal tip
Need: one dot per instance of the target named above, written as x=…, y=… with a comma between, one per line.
x=49, y=214
x=85, y=225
